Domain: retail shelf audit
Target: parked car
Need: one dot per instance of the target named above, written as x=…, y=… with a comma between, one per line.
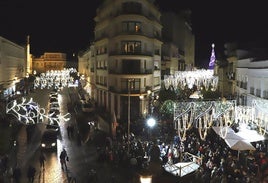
x=53, y=99
x=49, y=139
x=53, y=94
x=54, y=105
x=54, y=125
x=87, y=106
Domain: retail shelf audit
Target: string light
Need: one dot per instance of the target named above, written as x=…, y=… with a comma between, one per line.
x=31, y=113
x=203, y=115
x=56, y=79
x=200, y=78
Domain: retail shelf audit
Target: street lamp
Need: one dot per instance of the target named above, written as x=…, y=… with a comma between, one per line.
x=150, y=123
x=146, y=179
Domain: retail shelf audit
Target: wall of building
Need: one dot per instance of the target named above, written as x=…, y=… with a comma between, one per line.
x=12, y=66
x=49, y=61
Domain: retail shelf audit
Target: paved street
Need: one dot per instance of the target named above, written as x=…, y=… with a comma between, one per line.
x=82, y=157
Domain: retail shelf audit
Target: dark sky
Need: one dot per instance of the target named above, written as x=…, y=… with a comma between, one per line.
x=68, y=26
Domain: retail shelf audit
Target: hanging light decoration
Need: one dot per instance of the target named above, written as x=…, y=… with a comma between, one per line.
x=183, y=118
x=202, y=115
x=260, y=115
x=201, y=78
x=29, y=112
x=55, y=79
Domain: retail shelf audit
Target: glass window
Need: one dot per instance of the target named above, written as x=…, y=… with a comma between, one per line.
x=131, y=46
x=131, y=26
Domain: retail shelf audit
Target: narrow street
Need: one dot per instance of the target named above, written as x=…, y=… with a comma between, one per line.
x=82, y=157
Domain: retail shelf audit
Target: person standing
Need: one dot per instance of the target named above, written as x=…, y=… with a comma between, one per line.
x=63, y=159
x=17, y=174
x=42, y=160
x=68, y=131
x=31, y=174
x=72, y=130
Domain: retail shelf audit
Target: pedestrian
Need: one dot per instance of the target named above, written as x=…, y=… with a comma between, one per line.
x=63, y=159
x=42, y=160
x=17, y=174
x=78, y=139
x=31, y=173
x=4, y=162
x=68, y=130
x=72, y=131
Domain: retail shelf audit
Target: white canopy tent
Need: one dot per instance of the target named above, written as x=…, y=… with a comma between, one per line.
x=244, y=134
x=238, y=141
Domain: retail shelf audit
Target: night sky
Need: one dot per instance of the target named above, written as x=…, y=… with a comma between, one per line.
x=68, y=26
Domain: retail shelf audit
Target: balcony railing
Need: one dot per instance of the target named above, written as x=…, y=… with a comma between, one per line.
x=141, y=53
x=142, y=71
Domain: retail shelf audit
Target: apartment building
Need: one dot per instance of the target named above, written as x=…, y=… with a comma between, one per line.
x=126, y=57
x=13, y=66
x=178, y=50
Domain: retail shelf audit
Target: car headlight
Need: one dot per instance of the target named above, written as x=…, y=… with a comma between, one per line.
x=43, y=145
x=53, y=144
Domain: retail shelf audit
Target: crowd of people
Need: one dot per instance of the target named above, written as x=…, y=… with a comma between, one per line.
x=219, y=163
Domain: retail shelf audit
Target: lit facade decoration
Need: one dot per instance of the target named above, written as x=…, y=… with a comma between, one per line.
x=201, y=78
x=49, y=61
x=56, y=79
x=29, y=112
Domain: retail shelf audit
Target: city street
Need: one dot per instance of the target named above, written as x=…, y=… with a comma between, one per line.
x=83, y=154
x=82, y=158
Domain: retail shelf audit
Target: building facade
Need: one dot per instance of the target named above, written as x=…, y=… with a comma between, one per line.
x=126, y=62
x=252, y=80
x=85, y=69
x=13, y=66
x=178, y=50
x=49, y=61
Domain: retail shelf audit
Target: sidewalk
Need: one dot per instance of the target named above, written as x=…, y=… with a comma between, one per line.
x=9, y=134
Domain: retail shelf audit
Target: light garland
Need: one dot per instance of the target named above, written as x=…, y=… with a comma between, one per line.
x=30, y=112
x=260, y=115
x=55, y=79
x=203, y=115
x=199, y=78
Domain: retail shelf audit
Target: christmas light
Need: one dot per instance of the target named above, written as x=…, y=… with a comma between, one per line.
x=31, y=113
x=56, y=79
x=203, y=115
x=201, y=78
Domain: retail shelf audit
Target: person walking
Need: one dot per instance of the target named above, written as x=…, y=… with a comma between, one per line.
x=31, y=173
x=17, y=174
x=63, y=159
x=72, y=130
x=42, y=160
x=69, y=131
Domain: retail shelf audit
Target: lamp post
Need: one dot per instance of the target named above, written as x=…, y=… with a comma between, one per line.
x=149, y=93
x=128, y=123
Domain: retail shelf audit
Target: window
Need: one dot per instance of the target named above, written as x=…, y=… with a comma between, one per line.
x=132, y=84
x=131, y=46
x=132, y=7
x=131, y=27
x=144, y=82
